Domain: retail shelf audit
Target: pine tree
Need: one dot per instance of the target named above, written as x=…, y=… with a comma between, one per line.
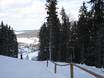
x=97, y=11
x=44, y=43
x=75, y=43
x=65, y=35
x=1, y=38
x=54, y=28
x=13, y=45
x=8, y=41
x=83, y=32
x=97, y=15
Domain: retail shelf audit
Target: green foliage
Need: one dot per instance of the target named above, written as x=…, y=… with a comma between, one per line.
x=97, y=24
x=44, y=43
x=83, y=30
x=80, y=41
x=65, y=34
x=8, y=41
x=53, y=24
x=90, y=35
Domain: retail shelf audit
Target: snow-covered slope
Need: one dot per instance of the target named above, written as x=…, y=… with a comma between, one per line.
x=99, y=71
x=32, y=40
x=27, y=36
x=18, y=32
x=16, y=68
x=27, y=33
x=28, y=43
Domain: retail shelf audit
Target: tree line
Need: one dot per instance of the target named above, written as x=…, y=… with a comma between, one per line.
x=79, y=41
x=8, y=41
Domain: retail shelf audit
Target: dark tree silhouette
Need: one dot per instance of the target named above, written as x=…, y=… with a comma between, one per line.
x=54, y=28
x=65, y=34
x=8, y=41
x=44, y=43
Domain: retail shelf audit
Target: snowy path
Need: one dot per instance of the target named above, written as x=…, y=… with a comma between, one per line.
x=90, y=71
x=15, y=68
x=64, y=72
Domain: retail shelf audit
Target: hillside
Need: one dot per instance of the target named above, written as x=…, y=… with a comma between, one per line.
x=28, y=43
x=27, y=33
x=16, y=68
x=27, y=36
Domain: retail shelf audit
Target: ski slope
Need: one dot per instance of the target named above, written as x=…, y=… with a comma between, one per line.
x=16, y=68
x=99, y=71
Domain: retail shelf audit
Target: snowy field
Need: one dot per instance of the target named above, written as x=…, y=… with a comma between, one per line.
x=16, y=68
x=29, y=56
x=26, y=40
x=32, y=40
x=99, y=71
x=27, y=47
x=18, y=32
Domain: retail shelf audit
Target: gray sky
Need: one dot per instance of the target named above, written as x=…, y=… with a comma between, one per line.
x=30, y=14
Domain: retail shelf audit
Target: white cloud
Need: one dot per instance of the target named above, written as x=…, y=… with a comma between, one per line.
x=6, y=2
x=35, y=7
x=29, y=17
x=9, y=3
x=71, y=7
x=30, y=14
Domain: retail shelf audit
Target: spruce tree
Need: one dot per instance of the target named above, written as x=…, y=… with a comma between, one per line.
x=83, y=32
x=54, y=28
x=44, y=43
x=1, y=38
x=8, y=41
x=97, y=15
x=65, y=35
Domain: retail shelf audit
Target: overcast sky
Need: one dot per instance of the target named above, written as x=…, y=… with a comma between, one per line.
x=30, y=14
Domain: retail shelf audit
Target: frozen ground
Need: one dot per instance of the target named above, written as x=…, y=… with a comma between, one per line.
x=16, y=68
x=94, y=69
x=32, y=40
x=18, y=32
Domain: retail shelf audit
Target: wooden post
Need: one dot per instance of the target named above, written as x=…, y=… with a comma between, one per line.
x=71, y=71
x=55, y=69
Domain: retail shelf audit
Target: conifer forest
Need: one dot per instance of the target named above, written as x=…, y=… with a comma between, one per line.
x=80, y=41
x=63, y=39
x=8, y=41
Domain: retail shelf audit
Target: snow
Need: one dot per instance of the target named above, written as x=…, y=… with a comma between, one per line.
x=16, y=68
x=28, y=52
x=27, y=47
x=64, y=72
x=18, y=32
x=28, y=40
x=29, y=56
x=94, y=69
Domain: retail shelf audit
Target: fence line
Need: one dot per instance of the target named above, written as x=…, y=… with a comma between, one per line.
x=67, y=64
x=90, y=72
x=72, y=69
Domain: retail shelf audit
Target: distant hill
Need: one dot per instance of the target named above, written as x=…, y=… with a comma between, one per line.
x=27, y=33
